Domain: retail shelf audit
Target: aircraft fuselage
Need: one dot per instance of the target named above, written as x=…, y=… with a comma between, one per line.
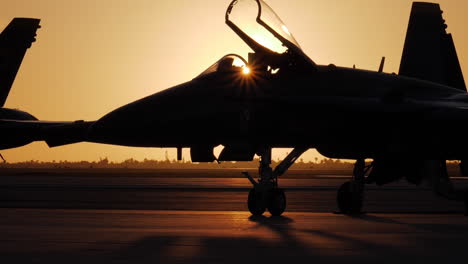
x=342, y=112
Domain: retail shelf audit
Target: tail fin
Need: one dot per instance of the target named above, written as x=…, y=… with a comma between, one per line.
x=15, y=39
x=429, y=52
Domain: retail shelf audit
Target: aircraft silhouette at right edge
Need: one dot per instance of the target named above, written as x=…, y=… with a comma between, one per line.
x=409, y=124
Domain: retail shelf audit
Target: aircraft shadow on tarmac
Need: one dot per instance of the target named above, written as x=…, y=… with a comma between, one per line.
x=292, y=248
x=435, y=228
x=326, y=246
x=230, y=250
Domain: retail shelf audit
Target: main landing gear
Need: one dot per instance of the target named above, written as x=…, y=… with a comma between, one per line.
x=350, y=195
x=442, y=184
x=265, y=193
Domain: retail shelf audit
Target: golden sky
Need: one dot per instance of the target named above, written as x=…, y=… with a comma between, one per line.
x=93, y=56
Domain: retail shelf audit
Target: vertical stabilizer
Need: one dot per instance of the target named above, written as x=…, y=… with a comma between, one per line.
x=15, y=39
x=429, y=52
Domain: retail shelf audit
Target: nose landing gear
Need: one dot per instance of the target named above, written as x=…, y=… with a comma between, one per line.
x=265, y=193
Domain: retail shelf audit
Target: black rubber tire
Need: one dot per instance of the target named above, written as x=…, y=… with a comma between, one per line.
x=349, y=201
x=276, y=202
x=255, y=203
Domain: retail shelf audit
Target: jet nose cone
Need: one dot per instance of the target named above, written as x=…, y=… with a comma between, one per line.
x=143, y=122
x=123, y=124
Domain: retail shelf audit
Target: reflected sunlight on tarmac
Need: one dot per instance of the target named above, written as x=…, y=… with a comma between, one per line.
x=131, y=219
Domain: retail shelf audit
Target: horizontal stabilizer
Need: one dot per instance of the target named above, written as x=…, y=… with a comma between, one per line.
x=429, y=52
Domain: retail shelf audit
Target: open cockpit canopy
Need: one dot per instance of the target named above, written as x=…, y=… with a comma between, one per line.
x=260, y=28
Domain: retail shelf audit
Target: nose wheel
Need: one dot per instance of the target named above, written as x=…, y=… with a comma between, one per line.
x=265, y=193
x=274, y=200
x=255, y=203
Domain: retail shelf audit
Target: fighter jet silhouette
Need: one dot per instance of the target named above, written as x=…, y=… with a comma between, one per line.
x=410, y=124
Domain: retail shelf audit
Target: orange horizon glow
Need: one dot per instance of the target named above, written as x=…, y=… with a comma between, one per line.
x=94, y=56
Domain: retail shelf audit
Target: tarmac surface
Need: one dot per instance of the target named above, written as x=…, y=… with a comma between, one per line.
x=164, y=217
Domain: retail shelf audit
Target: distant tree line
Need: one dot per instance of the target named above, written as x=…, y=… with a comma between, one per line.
x=317, y=164
x=131, y=163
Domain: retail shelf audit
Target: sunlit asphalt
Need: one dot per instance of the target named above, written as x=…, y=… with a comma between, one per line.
x=128, y=219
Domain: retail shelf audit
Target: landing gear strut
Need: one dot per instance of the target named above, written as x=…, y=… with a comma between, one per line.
x=4, y=161
x=265, y=193
x=350, y=195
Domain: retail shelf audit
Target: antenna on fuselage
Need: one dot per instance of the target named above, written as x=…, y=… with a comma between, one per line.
x=382, y=64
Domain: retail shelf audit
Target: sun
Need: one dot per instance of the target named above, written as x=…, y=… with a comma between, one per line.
x=245, y=70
